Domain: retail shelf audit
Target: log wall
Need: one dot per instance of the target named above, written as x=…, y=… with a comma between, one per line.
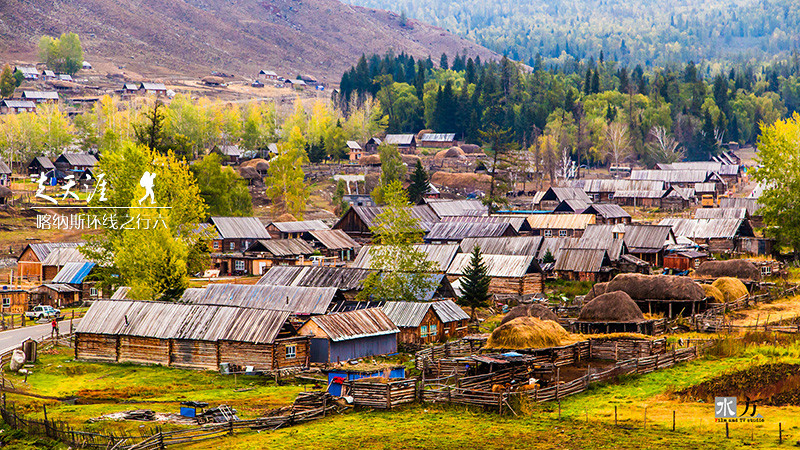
x=143, y=350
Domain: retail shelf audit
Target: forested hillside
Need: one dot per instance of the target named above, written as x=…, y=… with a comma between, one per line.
x=647, y=32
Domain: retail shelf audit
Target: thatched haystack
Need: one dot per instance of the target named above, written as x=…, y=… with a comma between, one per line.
x=656, y=287
x=471, y=148
x=712, y=292
x=613, y=306
x=260, y=164
x=410, y=160
x=452, y=152
x=212, y=80
x=5, y=192
x=536, y=310
x=249, y=173
x=423, y=133
x=527, y=332
x=286, y=217
x=370, y=160
x=597, y=289
x=461, y=180
x=737, y=268
x=731, y=288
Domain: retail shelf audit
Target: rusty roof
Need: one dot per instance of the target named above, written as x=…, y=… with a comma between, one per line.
x=513, y=245
x=240, y=227
x=355, y=324
x=442, y=255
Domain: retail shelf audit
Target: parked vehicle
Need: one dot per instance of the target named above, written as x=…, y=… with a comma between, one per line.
x=43, y=311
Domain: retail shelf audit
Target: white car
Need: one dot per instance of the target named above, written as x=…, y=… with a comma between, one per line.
x=43, y=311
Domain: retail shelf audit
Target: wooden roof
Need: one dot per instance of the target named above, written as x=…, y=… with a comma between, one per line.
x=513, y=245
x=455, y=231
x=497, y=265
x=560, y=221
x=355, y=324
x=441, y=255
x=294, y=299
x=240, y=227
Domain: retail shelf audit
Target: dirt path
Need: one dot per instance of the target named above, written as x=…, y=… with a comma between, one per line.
x=783, y=309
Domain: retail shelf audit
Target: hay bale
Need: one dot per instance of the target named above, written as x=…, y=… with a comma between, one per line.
x=5, y=192
x=452, y=152
x=731, y=288
x=656, y=287
x=712, y=292
x=613, y=306
x=737, y=268
x=527, y=332
x=410, y=160
x=249, y=173
x=471, y=148
x=370, y=160
x=286, y=217
x=597, y=289
x=461, y=180
x=260, y=164
x=536, y=310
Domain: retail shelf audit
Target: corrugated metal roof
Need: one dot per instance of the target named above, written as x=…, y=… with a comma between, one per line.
x=640, y=237
x=19, y=103
x=342, y=278
x=751, y=204
x=607, y=211
x=295, y=299
x=442, y=255
x=708, y=228
x=445, y=208
x=73, y=272
x=334, y=239
x=518, y=222
x=497, y=265
x=149, y=86
x=300, y=226
x=459, y=230
x=79, y=159
x=44, y=162
x=596, y=186
x=282, y=247
x=42, y=250
x=554, y=245
x=40, y=95
x=516, y=245
x=671, y=176
x=353, y=145
x=448, y=311
x=411, y=314
x=572, y=205
x=355, y=324
x=438, y=137
x=720, y=213
x=581, y=260
x=601, y=237
x=560, y=221
x=240, y=228
x=399, y=139
x=61, y=255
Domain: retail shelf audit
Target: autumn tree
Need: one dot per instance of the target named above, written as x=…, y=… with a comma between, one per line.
x=285, y=179
x=223, y=190
x=63, y=54
x=392, y=169
x=7, y=82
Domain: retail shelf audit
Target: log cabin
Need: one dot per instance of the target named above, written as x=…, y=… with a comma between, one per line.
x=512, y=275
x=294, y=229
x=350, y=335
x=14, y=301
x=29, y=262
x=423, y=323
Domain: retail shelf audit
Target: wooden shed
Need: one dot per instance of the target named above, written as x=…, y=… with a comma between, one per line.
x=717, y=235
x=29, y=262
x=427, y=322
x=237, y=233
x=514, y=275
x=14, y=301
x=56, y=295
x=294, y=229
x=559, y=225
x=350, y=335
x=584, y=264
x=687, y=260
x=358, y=221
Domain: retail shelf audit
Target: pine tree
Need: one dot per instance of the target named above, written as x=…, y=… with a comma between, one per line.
x=443, y=62
x=596, y=82
x=419, y=184
x=587, y=82
x=475, y=284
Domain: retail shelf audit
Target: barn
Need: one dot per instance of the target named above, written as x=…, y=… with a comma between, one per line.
x=189, y=336
x=350, y=335
x=584, y=264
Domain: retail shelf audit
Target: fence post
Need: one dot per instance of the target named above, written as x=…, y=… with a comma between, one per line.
x=780, y=433
x=673, y=420
x=615, y=415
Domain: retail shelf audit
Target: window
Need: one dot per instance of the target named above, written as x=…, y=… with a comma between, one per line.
x=433, y=330
x=291, y=351
x=423, y=330
x=562, y=233
x=548, y=233
x=216, y=245
x=93, y=292
x=233, y=245
x=765, y=270
x=6, y=302
x=239, y=265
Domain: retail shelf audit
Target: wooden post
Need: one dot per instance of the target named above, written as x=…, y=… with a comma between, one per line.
x=388, y=396
x=727, y=431
x=780, y=433
x=615, y=415
x=673, y=420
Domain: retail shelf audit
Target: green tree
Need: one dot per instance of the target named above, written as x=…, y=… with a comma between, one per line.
x=223, y=190
x=339, y=205
x=63, y=54
x=285, y=179
x=475, y=284
x=419, y=183
x=150, y=130
x=779, y=171
x=7, y=82
x=401, y=272
x=392, y=169
x=499, y=146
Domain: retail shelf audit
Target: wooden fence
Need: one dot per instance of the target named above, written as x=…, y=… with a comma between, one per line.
x=382, y=395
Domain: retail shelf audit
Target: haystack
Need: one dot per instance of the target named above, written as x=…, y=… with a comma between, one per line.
x=527, y=332
x=260, y=164
x=656, y=287
x=732, y=289
x=471, y=148
x=249, y=173
x=452, y=152
x=370, y=160
x=597, y=289
x=410, y=160
x=460, y=180
x=286, y=217
x=536, y=310
x=712, y=292
x=737, y=268
x=613, y=306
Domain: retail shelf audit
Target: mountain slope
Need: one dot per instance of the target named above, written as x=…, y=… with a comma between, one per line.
x=319, y=37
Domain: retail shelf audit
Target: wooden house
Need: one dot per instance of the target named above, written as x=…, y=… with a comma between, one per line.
x=58, y=258
x=75, y=162
x=267, y=75
x=237, y=233
x=673, y=178
x=294, y=229
x=559, y=225
x=604, y=190
x=28, y=72
x=406, y=143
x=512, y=275
x=358, y=221
x=56, y=295
x=584, y=264
x=75, y=274
x=647, y=242
x=608, y=213
x=350, y=335
x=40, y=165
x=231, y=154
x=12, y=106
x=298, y=300
x=333, y=244
x=552, y=197
x=190, y=336
x=423, y=323
x=348, y=281
x=372, y=145
x=571, y=206
x=14, y=301
x=149, y=88
x=750, y=204
x=454, y=232
x=439, y=140
x=650, y=198
x=29, y=262
x=686, y=260
x=355, y=152
x=513, y=246
x=265, y=253
x=717, y=235
x=40, y=97
x=519, y=222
